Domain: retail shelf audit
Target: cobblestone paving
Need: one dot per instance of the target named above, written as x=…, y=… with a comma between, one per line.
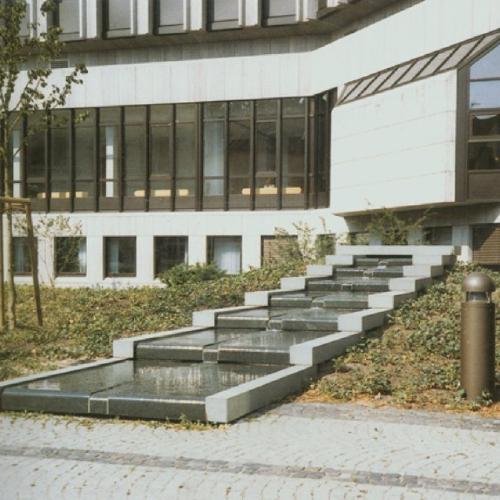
x=295, y=451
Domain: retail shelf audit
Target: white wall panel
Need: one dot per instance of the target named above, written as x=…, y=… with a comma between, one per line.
x=397, y=148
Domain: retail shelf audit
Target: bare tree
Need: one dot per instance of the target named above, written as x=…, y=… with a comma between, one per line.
x=26, y=89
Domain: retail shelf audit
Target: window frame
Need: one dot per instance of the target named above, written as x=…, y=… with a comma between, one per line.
x=268, y=20
x=108, y=274
x=156, y=238
x=159, y=29
x=210, y=240
x=116, y=33
x=63, y=274
x=214, y=25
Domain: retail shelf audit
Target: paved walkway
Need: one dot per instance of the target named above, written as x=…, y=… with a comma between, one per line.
x=295, y=451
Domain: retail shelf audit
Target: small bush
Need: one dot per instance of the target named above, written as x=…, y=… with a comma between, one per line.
x=198, y=273
x=393, y=229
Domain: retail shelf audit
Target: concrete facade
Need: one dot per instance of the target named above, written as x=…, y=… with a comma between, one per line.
x=395, y=149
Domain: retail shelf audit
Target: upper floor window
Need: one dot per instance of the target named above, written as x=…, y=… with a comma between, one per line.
x=169, y=16
x=222, y=14
x=275, y=12
x=484, y=116
x=116, y=18
x=67, y=17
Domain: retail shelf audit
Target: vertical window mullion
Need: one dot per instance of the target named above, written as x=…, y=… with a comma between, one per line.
x=97, y=159
x=71, y=132
x=47, y=163
x=307, y=152
x=22, y=152
x=279, y=154
x=199, y=157
x=226, y=156
x=121, y=159
x=252, y=154
x=173, y=159
x=147, y=170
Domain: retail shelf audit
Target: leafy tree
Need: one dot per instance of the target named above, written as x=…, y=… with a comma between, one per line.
x=26, y=89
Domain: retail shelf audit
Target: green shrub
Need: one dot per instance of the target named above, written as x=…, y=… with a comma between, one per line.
x=197, y=273
x=393, y=229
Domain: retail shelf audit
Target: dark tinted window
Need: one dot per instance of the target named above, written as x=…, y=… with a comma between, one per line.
x=71, y=255
x=170, y=251
x=117, y=18
x=120, y=256
x=169, y=16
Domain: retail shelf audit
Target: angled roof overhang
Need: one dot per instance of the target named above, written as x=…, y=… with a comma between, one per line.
x=446, y=59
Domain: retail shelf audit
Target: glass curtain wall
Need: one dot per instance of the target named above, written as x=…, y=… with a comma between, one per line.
x=60, y=160
x=186, y=155
x=484, y=117
x=135, y=158
x=161, y=174
x=239, y=155
x=214, y=154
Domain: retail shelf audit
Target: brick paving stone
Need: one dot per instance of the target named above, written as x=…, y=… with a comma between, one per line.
x=301, y=451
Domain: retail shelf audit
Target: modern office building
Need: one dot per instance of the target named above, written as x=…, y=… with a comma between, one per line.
x=209, y=123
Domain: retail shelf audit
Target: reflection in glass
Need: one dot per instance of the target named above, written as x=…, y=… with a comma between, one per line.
x=71, y=255
x=170, y=251
x=488, y=66
x=120, y=256
x=22, y=262
x=484, y=125
x=485, y=95
x=484, y=155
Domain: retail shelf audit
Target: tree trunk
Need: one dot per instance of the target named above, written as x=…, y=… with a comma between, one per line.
x=11, y=303
x=9, y=244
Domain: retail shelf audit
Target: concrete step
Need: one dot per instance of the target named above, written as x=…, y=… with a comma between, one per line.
x=310, y=320
x=352, y=285
x=370, y=272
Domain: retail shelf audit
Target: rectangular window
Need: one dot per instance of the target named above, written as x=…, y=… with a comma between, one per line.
x=161, y=136
x=60, y=160
x=85, y=159
x=135, y=157
x=185, y=156
x=239, y=154
x=67, y=17
x=120, y=256
x=214, y=147
x=225, y=253
x=117, y=18
x=110, y=147
x=293, y=138
x=266, y=154
x=22, y=261
x=71, y=256
x=222, y=14
x=170, y=251
x=169, y=16
x=276, y=12
x=36, y=157
x=16, y=153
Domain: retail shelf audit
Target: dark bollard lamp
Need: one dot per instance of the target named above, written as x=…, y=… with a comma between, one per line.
x=477, y=346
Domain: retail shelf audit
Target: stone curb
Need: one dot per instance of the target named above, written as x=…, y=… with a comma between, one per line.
x=322, y=349
x=238, y=401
